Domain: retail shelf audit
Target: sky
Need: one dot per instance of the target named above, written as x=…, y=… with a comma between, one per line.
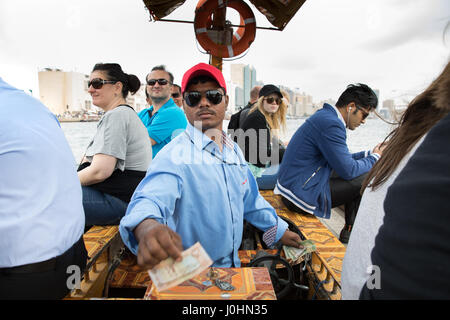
x=395, y=46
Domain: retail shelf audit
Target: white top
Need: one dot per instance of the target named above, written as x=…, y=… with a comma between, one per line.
x=356, y=267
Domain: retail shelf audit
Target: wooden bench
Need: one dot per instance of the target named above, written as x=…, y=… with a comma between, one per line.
x=326, y=264
x=102, y=245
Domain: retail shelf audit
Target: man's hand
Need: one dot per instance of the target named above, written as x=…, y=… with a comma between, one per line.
x=157, y=242
x=379, y=148
x=291, y=239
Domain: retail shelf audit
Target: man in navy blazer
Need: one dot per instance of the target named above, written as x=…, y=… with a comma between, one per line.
x=318, y=172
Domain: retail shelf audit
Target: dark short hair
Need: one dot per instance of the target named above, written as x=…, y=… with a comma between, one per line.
x=130, y=82
x=361, y=94
x=162, y=68
x=179, y=88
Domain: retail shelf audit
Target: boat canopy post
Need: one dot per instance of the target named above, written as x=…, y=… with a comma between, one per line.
x=218, y=23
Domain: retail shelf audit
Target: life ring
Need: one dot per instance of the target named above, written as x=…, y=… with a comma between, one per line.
x=242, y=38
x=237, y=35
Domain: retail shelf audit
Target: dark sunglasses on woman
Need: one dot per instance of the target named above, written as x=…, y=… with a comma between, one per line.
x=270, y=100
x=161, y=82
x=97, y=83
x=193, y=98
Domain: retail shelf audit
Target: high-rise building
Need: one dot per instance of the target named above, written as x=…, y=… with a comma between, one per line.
x=66, y=93
x=249, y=81
x=244, y=77
x=63, y=92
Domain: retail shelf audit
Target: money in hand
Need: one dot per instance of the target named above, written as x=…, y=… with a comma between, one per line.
x=295, y=254
x=169, y=273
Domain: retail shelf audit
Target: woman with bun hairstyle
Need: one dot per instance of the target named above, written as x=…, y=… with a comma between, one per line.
x=118, y=156
x=263, y=149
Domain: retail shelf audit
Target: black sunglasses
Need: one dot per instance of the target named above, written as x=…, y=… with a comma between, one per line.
x=175, y=95
x=193, y=98
x=97, y=83
x=161, y=82
x=364, y=112
x=270, y=100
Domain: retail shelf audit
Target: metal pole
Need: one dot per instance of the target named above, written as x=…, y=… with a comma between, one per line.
x=218, y=22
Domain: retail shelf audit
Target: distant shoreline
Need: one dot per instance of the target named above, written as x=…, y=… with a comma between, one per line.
x=77, y=120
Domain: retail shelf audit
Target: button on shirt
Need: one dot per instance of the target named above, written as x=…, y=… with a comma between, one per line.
x=163, y=125
x=204, y=194
x=41, y=211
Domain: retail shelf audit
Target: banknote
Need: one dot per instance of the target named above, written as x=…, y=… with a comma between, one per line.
x=169, y=273
x=295, y=254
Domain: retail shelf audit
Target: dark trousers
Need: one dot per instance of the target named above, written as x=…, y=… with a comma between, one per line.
x=343, y=192
x=43, y=280
x=346, y=192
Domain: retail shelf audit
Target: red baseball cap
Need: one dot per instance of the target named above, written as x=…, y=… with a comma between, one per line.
x=203, y=69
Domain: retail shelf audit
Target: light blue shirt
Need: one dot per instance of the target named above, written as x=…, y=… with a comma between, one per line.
x=163, y=125
x=41, y=211
x=204, y=195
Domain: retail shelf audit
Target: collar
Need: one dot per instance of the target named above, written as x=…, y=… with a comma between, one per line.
x=338, y=113
x=203, y=142
x=166, y=105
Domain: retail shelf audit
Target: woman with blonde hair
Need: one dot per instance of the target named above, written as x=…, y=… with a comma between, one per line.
x=262, y=147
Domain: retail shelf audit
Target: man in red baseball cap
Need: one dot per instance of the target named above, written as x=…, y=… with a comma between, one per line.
x=204, y=99
x=199, y=188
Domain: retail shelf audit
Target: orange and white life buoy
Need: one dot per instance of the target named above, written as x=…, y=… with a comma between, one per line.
x=242, y=38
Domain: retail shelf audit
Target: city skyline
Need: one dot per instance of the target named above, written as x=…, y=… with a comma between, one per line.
x=65, y=93
x=397, y=46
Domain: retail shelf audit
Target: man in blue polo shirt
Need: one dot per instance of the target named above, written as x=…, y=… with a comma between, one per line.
x=164, y=119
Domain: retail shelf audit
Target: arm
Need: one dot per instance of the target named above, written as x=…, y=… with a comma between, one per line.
x=101, y=168
x=332, y=144
x=144, y=227
x=153, y=142
x=108, y=148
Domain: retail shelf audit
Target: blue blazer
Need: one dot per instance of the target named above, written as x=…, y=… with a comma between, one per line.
x=318, y=147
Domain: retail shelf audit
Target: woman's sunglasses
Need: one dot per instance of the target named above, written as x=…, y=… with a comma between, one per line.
x=270, y=100
x=161, y=82
x=193, y=98
x=97, y=83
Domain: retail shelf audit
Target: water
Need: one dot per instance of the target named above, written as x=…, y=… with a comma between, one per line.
x=366, y=137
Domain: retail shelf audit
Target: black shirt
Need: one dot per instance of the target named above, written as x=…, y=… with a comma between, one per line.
x=412, y=248
x=259, y=145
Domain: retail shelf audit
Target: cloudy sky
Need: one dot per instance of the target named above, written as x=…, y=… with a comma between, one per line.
x=396, y=46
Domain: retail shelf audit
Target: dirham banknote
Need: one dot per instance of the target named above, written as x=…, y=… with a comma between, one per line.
x=169, y=273
x=295, y=254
